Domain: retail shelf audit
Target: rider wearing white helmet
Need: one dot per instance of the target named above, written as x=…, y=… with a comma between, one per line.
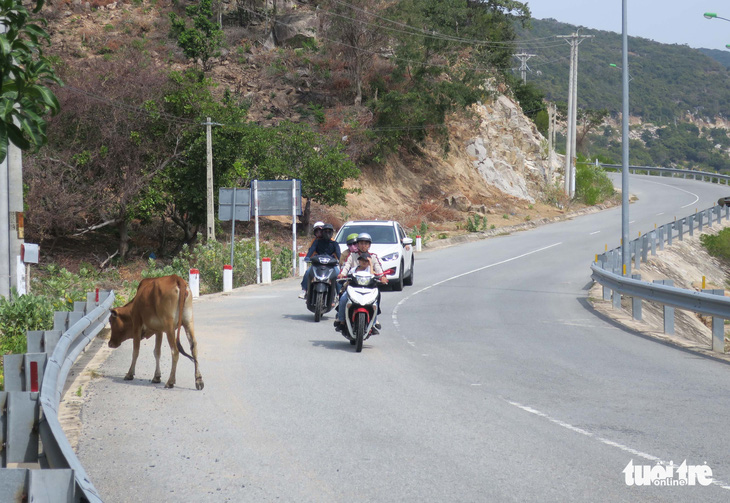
x=363, y=243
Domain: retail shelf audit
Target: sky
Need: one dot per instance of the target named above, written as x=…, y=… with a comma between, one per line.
x=665, y=21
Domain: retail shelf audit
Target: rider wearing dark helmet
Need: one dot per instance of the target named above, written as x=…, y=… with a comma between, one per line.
x=322, y=245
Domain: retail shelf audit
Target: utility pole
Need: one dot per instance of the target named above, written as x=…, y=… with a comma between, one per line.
x=210, y=220
x=551, y=130
x=574, y=40
x=11, y=214
x=523, y=57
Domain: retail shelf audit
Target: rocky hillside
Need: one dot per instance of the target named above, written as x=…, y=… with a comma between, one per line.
x=495, y=161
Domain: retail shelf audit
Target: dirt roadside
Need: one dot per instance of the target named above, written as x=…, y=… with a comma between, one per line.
x=686, y=262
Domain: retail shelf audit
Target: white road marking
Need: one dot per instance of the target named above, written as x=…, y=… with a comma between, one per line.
x=595, y=232
x=394, y=316
x=697, y=198
x=605, y=441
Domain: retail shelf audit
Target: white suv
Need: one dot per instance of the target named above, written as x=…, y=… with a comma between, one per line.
x=390, y=243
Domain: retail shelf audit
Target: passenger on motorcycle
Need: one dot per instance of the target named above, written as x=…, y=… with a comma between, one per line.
x=322, y=245
x=351, y=248
x=375, y=268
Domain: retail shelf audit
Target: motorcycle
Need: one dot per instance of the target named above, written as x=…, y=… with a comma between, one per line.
x=361, y=308
x=322, y=288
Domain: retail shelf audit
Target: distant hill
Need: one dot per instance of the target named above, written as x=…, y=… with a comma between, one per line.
x=668, y=82
x=722, y=57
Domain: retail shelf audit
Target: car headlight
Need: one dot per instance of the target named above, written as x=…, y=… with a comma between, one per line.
x=391, y=256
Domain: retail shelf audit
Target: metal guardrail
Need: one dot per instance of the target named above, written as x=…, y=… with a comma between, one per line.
x=684, y=173
x=608, y=271
x=34, y=385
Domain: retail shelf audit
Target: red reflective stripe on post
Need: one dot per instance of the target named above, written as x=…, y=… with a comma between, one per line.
x=97, y=296
x=194, y=271
x=227, y=267
x=302, y=254
x=266, y=259
x=34, y=376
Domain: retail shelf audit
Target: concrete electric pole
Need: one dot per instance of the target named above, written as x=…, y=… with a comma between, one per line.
x=523, y=57
x=210, y=218
x=574, y=40
x=11, y=214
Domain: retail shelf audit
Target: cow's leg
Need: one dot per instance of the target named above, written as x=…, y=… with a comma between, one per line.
x=189, y=331
x=135, y=354
x=157, y=352
x=175, y=355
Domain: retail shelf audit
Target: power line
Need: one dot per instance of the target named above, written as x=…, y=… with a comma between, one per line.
x=417, y=31
x=167, y=116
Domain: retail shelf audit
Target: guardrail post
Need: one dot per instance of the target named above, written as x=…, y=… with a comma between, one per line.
x=680, y=233
x=637, y=253
x=606, y=291
x=636, y=302
x=644, y=247
x=662, y=232
x=668, y=310
x=670, y=228
x=691, y=222
x=718, y=326
x=700, y=217
x=22, y=414
x=709, y=216
x=652, y=237
x=616, y=299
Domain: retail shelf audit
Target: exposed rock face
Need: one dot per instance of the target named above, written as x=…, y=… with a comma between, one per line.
x=509, y=154
x=295, y=28
x=495, y=168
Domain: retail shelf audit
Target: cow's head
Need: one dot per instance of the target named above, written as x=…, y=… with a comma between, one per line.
x=121, y=324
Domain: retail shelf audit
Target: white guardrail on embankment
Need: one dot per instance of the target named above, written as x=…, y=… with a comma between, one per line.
x=38, y=462
x=608, y=268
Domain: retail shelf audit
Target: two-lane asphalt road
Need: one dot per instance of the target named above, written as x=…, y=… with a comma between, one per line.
x=492, y=380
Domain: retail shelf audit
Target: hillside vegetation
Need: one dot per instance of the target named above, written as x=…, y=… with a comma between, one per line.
x=679, y=97
x=669, y=82
x=312, y=90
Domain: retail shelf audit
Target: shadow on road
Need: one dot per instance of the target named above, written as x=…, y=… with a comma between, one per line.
x=306, y=317
x=340, y=345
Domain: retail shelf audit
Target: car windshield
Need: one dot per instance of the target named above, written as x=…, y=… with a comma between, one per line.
x=381, y=234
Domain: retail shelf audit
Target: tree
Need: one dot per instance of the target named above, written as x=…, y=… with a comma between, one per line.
x=589, y=120
x=106, y=147
x=203, y=40
x=24, y=76
x=359, y=34
x=246, y=151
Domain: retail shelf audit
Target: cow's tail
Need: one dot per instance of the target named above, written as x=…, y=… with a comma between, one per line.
x=183, y=287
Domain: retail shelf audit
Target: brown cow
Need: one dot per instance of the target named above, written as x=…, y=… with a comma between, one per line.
x=156, y=308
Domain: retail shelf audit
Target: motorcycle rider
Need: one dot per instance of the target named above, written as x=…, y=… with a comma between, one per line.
x=375, y=267
x=323, y=244
x=351, y=248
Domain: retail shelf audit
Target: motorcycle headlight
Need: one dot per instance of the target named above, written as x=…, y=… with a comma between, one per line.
x=390, y=256
x=362, y=280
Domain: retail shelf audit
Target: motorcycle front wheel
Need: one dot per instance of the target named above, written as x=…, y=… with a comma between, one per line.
x=319, y=306
x=361, y=322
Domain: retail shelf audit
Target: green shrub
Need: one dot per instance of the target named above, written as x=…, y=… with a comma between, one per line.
x=476, y=224
x=717, y=245
x=209, y=259
x=17, y=316
x=592, y=186
x=63, y=287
